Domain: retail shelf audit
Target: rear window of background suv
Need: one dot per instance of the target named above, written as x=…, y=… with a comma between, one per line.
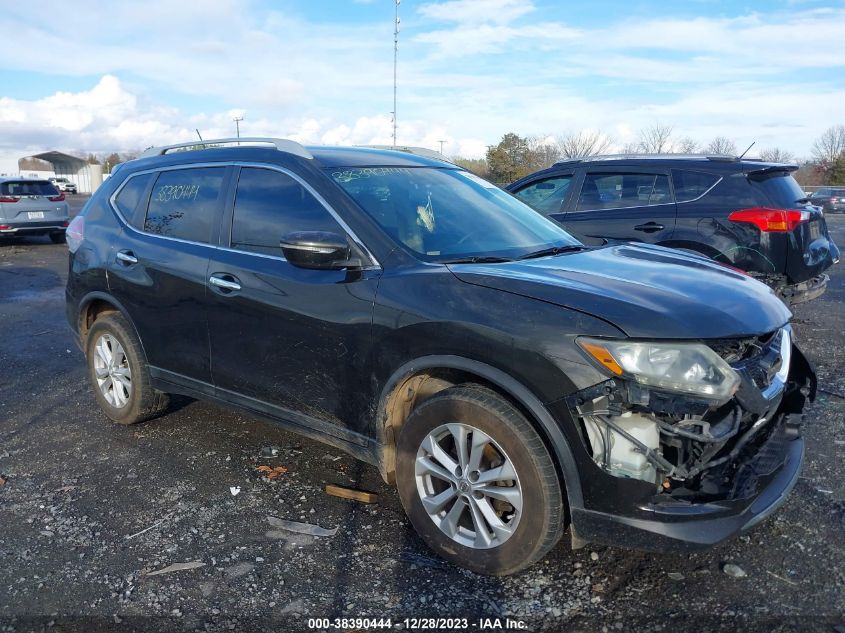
x=28, y=188
x=780, y=188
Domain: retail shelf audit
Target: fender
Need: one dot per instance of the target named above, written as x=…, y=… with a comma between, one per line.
x=549, y=428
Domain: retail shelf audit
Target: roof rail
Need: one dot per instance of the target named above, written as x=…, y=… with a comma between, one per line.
x=409, y=149
x=587, y=159
x=281, y=144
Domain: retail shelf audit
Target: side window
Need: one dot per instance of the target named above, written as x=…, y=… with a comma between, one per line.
x=184, y=203
x=270, y=204
x=129, y=201
x=689, y=185
x=619, y=191
x=547, y=195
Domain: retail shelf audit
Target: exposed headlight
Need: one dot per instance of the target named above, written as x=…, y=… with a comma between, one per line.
x=685, y=367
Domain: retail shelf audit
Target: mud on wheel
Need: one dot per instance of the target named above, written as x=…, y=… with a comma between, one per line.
x=477, y=482
x=118, y=373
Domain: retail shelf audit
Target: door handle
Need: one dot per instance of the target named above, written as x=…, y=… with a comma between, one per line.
x=221, y=282
x=126, y=257
x=649, y=227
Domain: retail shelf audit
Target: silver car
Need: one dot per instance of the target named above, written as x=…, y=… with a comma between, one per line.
x=32, y=207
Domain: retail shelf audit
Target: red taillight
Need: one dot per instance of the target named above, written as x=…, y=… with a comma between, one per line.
x=5, y=227
x=75, y=233
x=57, y=198
x=8, y=199
x=771, y=220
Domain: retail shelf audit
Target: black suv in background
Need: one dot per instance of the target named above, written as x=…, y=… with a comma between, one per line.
x=831, y=199
x=745, y=213
x=510, y=380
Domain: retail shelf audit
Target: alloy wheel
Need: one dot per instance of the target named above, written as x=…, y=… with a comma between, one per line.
x=468, y=486
x=111, y=368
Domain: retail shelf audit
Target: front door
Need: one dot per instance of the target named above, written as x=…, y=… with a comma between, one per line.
x=284, y=337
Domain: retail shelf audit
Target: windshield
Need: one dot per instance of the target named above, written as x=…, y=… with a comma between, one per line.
x=448, y=214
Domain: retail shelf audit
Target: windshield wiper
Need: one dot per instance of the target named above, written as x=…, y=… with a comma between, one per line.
x=554, y=250
x=478, y=259
x=804, y=200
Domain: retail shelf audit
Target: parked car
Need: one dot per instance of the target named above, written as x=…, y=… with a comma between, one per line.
x=830, y=199
x=511, y=381
x=748, y=214
x=32, y=207
x=63, y=184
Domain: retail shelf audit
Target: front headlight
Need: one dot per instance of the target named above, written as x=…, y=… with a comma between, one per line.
x=685, y=367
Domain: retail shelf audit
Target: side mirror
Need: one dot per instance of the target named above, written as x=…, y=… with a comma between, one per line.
x=318, y=249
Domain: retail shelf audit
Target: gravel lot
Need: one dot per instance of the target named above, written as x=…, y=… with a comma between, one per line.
x=89, y=509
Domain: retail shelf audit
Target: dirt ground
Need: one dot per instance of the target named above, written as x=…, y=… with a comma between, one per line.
x=90, y=508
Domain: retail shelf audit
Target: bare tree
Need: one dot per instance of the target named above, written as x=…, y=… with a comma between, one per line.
x=776, y=155
x=542, y=152
x=722, y=146
x=830, y=145
x=34, y=164
x=688, y=145
x=655, y=139
x=583, y=143
x=630, y=148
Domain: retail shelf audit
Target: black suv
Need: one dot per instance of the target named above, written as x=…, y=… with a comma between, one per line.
x=744, y=213
x=831, y=199
x=510, y=380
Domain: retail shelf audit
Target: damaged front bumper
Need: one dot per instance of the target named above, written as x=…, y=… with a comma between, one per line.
x=666, y=472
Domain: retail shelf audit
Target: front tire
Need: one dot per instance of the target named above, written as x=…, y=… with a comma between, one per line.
x=477, y=482
x=118, y=373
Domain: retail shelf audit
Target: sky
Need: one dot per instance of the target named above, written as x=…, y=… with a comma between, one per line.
x=121, y=76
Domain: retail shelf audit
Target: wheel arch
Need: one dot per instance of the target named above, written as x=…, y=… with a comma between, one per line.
x=95, y=304
x=420, y=378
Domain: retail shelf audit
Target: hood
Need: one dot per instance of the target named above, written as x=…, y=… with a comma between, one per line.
x=646, y=291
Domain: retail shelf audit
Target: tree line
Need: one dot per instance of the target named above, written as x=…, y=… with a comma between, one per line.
x=515, y=156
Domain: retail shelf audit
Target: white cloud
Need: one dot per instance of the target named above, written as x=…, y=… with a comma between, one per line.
x=477, y=11
x=469, y=71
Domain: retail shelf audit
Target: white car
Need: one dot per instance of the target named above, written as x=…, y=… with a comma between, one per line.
x=63, y=184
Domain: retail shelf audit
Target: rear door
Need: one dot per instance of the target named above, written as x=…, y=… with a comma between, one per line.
x=623, y=204
x=286, y=340
x=158, y=268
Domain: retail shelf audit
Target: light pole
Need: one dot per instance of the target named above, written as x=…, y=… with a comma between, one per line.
x=441, y=147
x=237, y=121
x=395, y=60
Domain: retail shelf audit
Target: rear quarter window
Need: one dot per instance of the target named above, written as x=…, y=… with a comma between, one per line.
x=690, y=185
x=184, y=203
x=132, y=198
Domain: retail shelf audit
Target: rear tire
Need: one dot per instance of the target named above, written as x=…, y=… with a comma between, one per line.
x=118, y=373
x=58, y=237
x=512, y=510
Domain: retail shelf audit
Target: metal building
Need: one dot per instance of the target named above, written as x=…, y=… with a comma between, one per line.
x=87, y=177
